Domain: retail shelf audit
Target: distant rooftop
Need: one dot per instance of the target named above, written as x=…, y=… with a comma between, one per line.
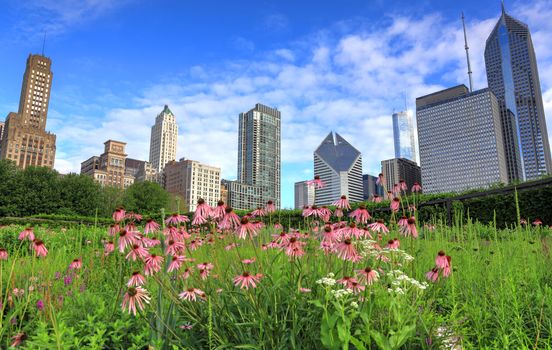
x=337, y=152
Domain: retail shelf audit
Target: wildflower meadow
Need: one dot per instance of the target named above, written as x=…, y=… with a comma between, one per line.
x=342, y=279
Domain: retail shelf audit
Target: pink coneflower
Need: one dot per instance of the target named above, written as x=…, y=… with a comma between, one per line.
x=403, y=186
x=380, y=180
x=187, y=272
x=338, y=212
x=126, y=239
x=75, y=264
x=27, y=234
x=137, y=252
x=3, y=254
x=393, y=244
x=270, y=207
x=352, y=231
x=133, y=216
x=410, y=229
x=441, y=260
x=522, y=221
x=433, y=275
x=316, y=182
x=135, y=296
x=191, y=294
x=151, y=226
x=347, y=281
x=204, y=273
x=230, y=220
x=346, y=250
x=367, y=275
x=118, y=214
x=39, y=248
x=203, y=209
x=113, y=229
x=258, y=212
x=245, y=229
x=194, y=244
x=18, y=339
x=198, y=220
x=217, y=213
x=327, y=247
x=403, y=221
x=176, y=218
x=416, y=187
x=378, y=226
x=248, y=261
x=131, y=227
x=294, y=247
x=360, y=214
x=152, y=264
x=376, y=199
x=186, y=326
x=176, y=263
x=357, y=287
x=206, y=266
x=342, y=203
x=231, y=246
x=395, y=204
x=150, y=242
x=174, y=247
x=412, y=207
x=304, y=290
x=109, y=247
x=246, y=280
x=537, y=222
x=396, y=189
x=278, y=226
x=136, y=280
x=329, y=235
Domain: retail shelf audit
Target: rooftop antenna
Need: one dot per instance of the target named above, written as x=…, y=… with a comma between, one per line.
x=503, y=10
x=468, y=51
x=43, y=43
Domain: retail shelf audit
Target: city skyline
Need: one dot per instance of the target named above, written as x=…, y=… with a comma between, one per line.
x=348, y=115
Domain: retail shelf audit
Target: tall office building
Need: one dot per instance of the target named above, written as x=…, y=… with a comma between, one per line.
x=397, y=169
x=1, y=134
x=243, y=196
x=339, y=166
x=304, y=194
x=403, y=136
x=460, y=138
x=109, y=168
x=164, y=137
x=370, y=187
x=259, y=142
x=193, y=180
x=513, y=77
x=25, y=139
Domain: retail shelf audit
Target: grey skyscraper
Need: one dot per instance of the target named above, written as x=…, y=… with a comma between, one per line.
x=460, y=140
x=259, y=151
x=403, y=136
x=397, y=169
x=339, y=166
x=370, y=187
x=514, y=79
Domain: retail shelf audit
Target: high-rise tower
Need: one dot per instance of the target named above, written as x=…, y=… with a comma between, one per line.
x=514, y=79
x=164, y=136
x=259, y=155
x=25, y=140
x=403, y=136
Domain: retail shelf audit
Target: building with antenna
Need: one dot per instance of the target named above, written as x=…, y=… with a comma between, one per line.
x=460, y=139
x=513, y=77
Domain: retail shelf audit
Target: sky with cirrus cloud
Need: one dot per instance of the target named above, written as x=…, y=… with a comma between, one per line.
x=341, y=66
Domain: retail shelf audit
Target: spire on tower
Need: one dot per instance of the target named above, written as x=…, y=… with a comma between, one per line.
x=467, y=52
x=503, y=10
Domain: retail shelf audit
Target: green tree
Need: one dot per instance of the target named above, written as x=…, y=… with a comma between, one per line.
x=38, y=191
x=110, y=198
x=8, y=188
x=79, y=194
x=146, y=197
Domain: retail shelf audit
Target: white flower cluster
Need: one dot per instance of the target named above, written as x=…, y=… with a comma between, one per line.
x=366, y=247
x=354, y=304
x=401, y=281
x=328, y=280
x=340, y=293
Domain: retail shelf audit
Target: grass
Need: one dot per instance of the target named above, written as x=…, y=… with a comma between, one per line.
x=498, y=296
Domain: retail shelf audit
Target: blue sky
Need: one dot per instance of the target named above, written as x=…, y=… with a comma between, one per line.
x=327, y=65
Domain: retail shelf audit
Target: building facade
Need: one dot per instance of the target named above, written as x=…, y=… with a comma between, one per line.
x=403, y=136
x=259, y=152
x=243, y=196
x=109, y=168
x=25, y=139
x=1, y=135
x=513, y=77
x=304, y=194
x=460, y=138
x=164, y=138
x=339, y=166
x=397, y=169
x=370, y=187
x=140, y=170
x=193, y=180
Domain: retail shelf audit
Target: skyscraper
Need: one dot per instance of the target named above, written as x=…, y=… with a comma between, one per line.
x=25, y=140
x=513, y=77
x=259, y=142
x=460, y=138
x=164, y=137
x=403, y=136
x=339, y=166
x=370, y=188
x=304, y=194
x=397, y=169
x=109, y=169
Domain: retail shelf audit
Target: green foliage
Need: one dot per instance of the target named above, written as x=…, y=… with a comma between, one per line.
x=145, y=197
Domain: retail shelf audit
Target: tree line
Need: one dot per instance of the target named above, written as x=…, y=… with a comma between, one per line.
x=38, y=190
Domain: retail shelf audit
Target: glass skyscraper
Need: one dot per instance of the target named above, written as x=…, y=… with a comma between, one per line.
x=259, y=144
x=403, y=136
x=513, y=78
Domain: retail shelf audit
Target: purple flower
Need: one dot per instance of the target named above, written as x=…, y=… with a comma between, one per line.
x=40, y=305
x=57, y=275
x=68, y=280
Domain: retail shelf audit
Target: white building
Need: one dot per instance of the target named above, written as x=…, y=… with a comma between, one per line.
x=403, y=136
x=164, y=136
x=304, y=194
x=339, y=166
